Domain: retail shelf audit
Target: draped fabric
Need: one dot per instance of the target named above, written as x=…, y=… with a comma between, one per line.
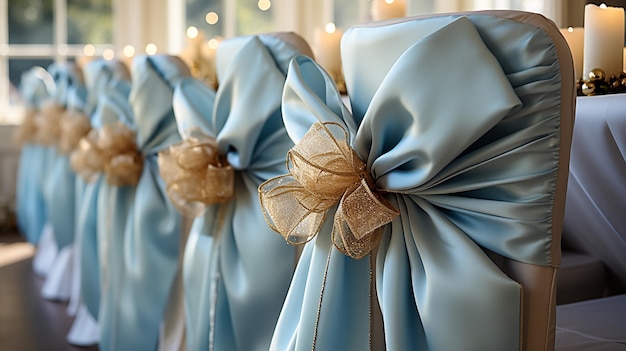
x=113, y=205
x=236, y=270
x=457, y=120
x=101, y=78
x=153, y=227
x=30, y=209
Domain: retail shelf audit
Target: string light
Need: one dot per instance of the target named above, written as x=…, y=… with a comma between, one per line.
x=213, y=43
x=212, y=18
x=264, y=5
x=151, y=49
x=89, y=50
x=192, y=32
x=128, y=51
x=108, y=54
x=330, y=28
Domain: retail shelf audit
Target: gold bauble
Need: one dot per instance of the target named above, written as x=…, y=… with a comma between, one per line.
x=589, y=88
x=596, y=74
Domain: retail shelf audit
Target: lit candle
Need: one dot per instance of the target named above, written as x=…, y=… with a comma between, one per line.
x=328, y=53
x=575, y=39
x=604, y=39
x=386, y=9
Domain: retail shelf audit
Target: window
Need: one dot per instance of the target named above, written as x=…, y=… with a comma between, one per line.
x=39, y=32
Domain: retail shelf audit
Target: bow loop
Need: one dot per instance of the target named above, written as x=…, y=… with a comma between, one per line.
x=195, y=173
x=112, y=150
x=48, y=123
x=74, y=126
x=324, y=171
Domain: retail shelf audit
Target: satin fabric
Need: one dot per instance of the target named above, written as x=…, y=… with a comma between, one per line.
x=236, y=270
x=30, y=209
x=101, y=78
x=153, y=227
x=457, y=121
x=60, y=181
x=594, y=222
x=113, y=205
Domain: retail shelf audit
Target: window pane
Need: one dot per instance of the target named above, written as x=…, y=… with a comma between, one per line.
x=254, y=16
x=207, y=16
x=30, y=21
x=16, y=68
x=89, y=22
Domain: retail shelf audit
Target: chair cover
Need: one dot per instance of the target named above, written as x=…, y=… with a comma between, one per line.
x=463, y=122
x=153, y=227
x=60, y=187
x=236, y=271
x=114, y=204
x=86, y=290
x=30, y=210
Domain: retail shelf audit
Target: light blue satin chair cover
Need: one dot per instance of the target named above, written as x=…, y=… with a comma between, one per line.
x=236, y=270
x=102, y=77
x=153, y=229
x=113, y=206
x=30, y=210
x=458, y=121
x=60, y=180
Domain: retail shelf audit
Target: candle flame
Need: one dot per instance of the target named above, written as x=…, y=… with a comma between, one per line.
x=570, y=29
x=129, y=51
x=151, y=49
x=213, y=43
x=389, y=2
x=330, y=28
x=603, y=6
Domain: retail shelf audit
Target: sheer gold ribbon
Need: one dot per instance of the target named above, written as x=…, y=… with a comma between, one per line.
x=27, y=130
x=74, y=126
x=112, y=150
x=324, y=171
x=195, y=174
x=48, y=123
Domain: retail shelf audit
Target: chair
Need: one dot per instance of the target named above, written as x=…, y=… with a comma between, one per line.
x=463, y=124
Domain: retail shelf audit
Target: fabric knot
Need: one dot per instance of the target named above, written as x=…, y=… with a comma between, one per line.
x=196, y=174
x=325, y=171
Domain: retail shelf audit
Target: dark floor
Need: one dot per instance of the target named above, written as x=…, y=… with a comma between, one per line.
x=27, y=321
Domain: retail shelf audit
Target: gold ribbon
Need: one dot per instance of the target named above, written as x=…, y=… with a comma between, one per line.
x=27, y=131
x=48, y=123
x=324, y=171
x=196, y=174
x=112, y=150
x=74, y=126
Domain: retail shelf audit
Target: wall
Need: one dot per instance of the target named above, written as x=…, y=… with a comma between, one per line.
x=9, y=159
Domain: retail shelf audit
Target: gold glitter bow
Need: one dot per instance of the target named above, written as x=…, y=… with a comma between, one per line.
x=27, y=130
x=324, y=171
x=74, y=126
x=195, y=173
x=48, y=123
x=112, y=150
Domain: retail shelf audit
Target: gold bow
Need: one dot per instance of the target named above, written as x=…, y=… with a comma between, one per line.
x=48, y=123
x=74, y=126
x=324, y=171
x=27, y=130
x=196, y=175
x=112, y=150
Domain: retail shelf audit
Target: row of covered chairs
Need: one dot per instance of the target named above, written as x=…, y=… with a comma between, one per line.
x=424, y=207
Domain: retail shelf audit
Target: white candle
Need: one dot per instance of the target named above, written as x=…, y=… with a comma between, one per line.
x=327, y=49
x=575, y=40
x=624, y=65
x=604, y=39
x=386, y=9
